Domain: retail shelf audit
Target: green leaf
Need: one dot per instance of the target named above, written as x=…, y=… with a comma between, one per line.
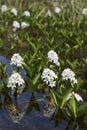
x=62, y=89
x=76, y=46
x=1, y=43
x=82, y=109
x=1, y=86
x=40, y=13
x=67, y=46
x=33, y=46
x=64, y=96
x=29, y=83
x=36, y=78
x=28, y=70
x=78, y=85
x=5, y=67
x=73, y=106
x=32, y=58
x=56, y=97
x=70, y=63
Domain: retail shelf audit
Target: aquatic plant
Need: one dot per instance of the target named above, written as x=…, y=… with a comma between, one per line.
x=16, y=82
x=17, y=60
x=52, y=42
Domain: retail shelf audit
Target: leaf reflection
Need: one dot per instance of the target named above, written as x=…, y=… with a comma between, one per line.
x=32, y=104
x=0, y=102
x=14, y=111
x=72, y=124
x=7, y=101
x=76, y=124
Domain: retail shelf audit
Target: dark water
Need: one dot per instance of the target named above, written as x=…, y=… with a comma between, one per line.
x=32, y=121
x=31, y=112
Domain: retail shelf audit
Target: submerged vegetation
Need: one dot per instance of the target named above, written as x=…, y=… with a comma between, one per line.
x=50, y=44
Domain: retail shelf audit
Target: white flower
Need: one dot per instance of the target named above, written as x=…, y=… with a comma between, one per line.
x=49, y=77
x=53, y=57
x=6, y=23
x=68, y=74
x=16, y=81
x=14, y=11
x=84, y=11
x=57, y=10
x=17, y=60
x=24, y=25
x=26, y=13
x=4, y=8
x=77, y=96
x=14, y=29
x=16, y=24
x=49, y=13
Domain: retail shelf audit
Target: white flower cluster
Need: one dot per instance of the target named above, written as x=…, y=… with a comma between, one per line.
x=77, y=97
x=14, y=11
x=68, y=74
x=57, y=10
x=16, y=81
x=84, y=11
x=49, y=13
x=26, y=13
x=53, y=57
x=16, y=25
x=24, y=25
x=49, y=77
x=17, y=60
x=4, y=8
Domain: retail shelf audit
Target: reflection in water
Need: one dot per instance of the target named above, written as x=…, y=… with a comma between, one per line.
x=61, y=120
x=71, y=123
x=76, y=125
x=51, y=114
x=14, y=111
x=49, y=109
x=32, y=104
x=15, y=115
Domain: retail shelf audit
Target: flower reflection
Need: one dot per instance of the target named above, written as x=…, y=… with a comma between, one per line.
x=49, y=109
x=16, y=115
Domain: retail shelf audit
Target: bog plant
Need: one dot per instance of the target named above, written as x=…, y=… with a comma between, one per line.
x=50, y=45
x=63, y=88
